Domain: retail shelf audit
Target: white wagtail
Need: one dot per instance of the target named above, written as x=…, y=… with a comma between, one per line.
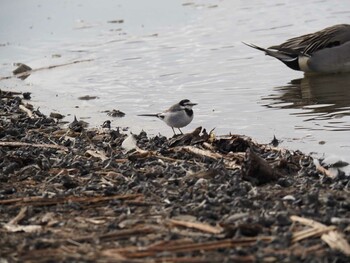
x=177, y=116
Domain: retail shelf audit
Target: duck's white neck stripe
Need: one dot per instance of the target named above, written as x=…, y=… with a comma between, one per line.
x=303, y=63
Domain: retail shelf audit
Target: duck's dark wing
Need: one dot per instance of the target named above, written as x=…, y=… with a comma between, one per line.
x=310, y=43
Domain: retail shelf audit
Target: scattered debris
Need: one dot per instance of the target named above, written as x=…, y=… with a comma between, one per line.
x=275, y=142
x=86, y=195
x=257, y=169
x=115, y=113
x=77, y=126
x=88, y=97
x=117, y=21
x=26, y=95
x=22, y=71
x=56, y=115
x=106, y=124
x=21, y=68
x=129, y=143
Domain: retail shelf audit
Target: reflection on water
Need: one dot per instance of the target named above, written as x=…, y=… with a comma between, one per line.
x=323, y=98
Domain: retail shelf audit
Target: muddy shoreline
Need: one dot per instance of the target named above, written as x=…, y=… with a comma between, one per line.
x=76, y=194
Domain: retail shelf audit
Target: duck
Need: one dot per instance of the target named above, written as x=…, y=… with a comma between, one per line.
x=325, y=51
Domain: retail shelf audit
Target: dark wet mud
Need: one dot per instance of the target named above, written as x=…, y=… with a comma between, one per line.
x=99, y=195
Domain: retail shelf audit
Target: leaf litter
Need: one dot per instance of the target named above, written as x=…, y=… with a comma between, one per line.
x=83, y=194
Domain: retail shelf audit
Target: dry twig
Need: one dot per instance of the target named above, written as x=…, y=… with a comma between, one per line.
x=37, y=145
x=42, y=201
x=329, y=234
x=197, y=225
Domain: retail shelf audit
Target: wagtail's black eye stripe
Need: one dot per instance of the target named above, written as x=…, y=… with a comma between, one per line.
x=177, y=116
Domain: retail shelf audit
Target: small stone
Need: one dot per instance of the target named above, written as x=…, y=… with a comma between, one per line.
x=26, y=95
x=288, y=198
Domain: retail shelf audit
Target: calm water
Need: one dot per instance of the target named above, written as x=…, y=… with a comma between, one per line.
x=167, y=50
